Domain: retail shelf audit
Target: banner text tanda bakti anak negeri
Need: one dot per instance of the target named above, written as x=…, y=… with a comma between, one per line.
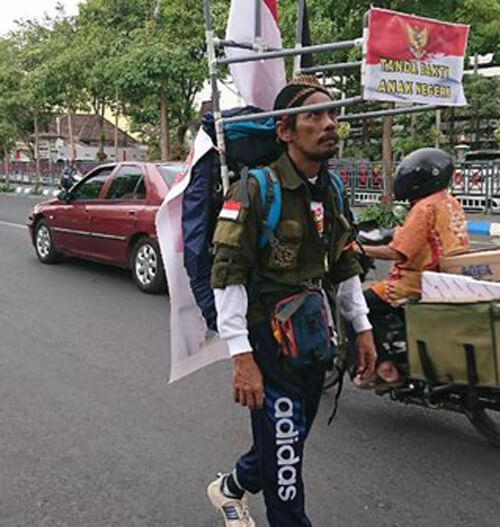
x=414, y=59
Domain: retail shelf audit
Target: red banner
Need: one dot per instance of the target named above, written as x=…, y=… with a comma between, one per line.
x=413, y=59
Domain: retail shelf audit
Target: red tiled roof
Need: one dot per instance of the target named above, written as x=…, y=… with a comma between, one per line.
x=86, y=129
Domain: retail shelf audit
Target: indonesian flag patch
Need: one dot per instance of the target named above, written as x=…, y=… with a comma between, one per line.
x=230, y=211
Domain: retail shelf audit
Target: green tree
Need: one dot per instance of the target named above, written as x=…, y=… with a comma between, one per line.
x=483, y=97
x=63, y=72
x=34, y=99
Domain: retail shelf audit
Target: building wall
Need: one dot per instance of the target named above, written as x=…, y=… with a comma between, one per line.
x=59, y=150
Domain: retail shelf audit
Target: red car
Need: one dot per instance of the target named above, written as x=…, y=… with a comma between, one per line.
x=109, y=217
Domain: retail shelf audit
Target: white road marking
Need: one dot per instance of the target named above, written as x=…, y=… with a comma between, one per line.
x=480, y=242
x=9, y=224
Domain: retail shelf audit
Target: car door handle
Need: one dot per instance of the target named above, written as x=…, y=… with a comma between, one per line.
x=132, y=212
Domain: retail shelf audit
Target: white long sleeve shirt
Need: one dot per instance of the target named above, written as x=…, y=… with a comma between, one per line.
x=232, y=304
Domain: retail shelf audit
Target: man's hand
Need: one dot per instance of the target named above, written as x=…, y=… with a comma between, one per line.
x=248, y=386
x=367, y=354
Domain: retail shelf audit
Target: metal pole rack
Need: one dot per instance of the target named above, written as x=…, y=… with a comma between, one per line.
x=263, y=52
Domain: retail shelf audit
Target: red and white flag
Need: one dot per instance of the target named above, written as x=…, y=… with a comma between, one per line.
x=192, y=345
x=414, y=59
x=258, y=82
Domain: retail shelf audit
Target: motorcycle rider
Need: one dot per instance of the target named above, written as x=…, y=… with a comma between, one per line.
x=435, y=227
x=68, y=177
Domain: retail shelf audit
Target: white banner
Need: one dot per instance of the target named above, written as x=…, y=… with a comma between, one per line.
x=413, y=59
x=192, y=345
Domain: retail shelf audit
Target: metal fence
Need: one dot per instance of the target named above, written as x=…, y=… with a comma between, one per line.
x=24, y=173
x=476, y=184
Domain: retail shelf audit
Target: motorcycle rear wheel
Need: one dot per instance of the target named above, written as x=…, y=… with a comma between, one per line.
x=487, y=423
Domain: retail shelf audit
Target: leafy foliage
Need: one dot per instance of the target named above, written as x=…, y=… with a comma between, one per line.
x=386, y=215
x=125, y=55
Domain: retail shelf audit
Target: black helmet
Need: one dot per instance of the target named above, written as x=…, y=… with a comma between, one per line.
x=423, y=172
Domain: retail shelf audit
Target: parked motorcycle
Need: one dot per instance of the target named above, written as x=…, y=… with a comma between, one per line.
x=481, y=405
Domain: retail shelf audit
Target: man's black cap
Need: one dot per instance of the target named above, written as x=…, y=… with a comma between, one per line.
x=297, y=91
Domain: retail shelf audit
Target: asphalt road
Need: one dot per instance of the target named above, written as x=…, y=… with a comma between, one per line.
x=92, y=435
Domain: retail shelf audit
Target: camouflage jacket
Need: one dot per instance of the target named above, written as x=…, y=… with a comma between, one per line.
x=297, y=253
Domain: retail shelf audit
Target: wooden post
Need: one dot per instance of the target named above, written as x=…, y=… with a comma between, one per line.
x=387, y=157
x=342, y=113
x=451, y=129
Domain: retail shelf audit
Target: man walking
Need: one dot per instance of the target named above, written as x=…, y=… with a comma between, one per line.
x=279, y=363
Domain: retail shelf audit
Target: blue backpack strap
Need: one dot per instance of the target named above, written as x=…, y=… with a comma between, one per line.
x=338, y=185
x=270, y=201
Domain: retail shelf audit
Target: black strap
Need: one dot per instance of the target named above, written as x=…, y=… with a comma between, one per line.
x=426, y=363
x=340, y=384
x=245, y=198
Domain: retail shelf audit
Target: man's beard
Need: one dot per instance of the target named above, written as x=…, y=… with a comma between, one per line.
x=323, y=156
x=320, y=156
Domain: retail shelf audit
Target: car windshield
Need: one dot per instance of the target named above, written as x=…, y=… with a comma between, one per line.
x=169, y=173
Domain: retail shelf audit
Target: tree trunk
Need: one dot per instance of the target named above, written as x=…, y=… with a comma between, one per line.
x=413, y=125
x=101, y=155
x=477, y=119
x=164, y=131
x=71, y=138
x=117, y=114
x=37, y=155
x=451, y=127
x=387, y=157
x=437, y=140
x=6, y=167
x=477, y=133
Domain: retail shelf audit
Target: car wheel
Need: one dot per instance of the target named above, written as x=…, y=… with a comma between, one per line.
x=44, y=244
x=147, y=266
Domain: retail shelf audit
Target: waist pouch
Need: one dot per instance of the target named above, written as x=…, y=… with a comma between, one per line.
x=300, y=326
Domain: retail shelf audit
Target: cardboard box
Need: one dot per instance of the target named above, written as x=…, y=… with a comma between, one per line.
x=444, y=287
x=482, y=265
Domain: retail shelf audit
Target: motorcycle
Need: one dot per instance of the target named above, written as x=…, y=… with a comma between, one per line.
x=481, y=405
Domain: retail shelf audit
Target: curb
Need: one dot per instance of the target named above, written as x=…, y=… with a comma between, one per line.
x=487, y=228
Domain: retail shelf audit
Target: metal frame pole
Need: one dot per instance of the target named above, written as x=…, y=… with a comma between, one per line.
x=384, y=113
x=331, y=67
x=293, y=111
x=242, y=45
x=298, y=35
x=292, y=52
x=364, y=51
x=212, y=68
x=258, y=24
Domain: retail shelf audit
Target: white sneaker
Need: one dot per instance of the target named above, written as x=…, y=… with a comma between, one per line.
x=235, y=511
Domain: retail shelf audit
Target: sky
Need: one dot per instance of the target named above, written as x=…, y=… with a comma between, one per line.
x=10, y=10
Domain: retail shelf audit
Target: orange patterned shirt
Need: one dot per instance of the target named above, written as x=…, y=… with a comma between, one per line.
x=435, y=227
